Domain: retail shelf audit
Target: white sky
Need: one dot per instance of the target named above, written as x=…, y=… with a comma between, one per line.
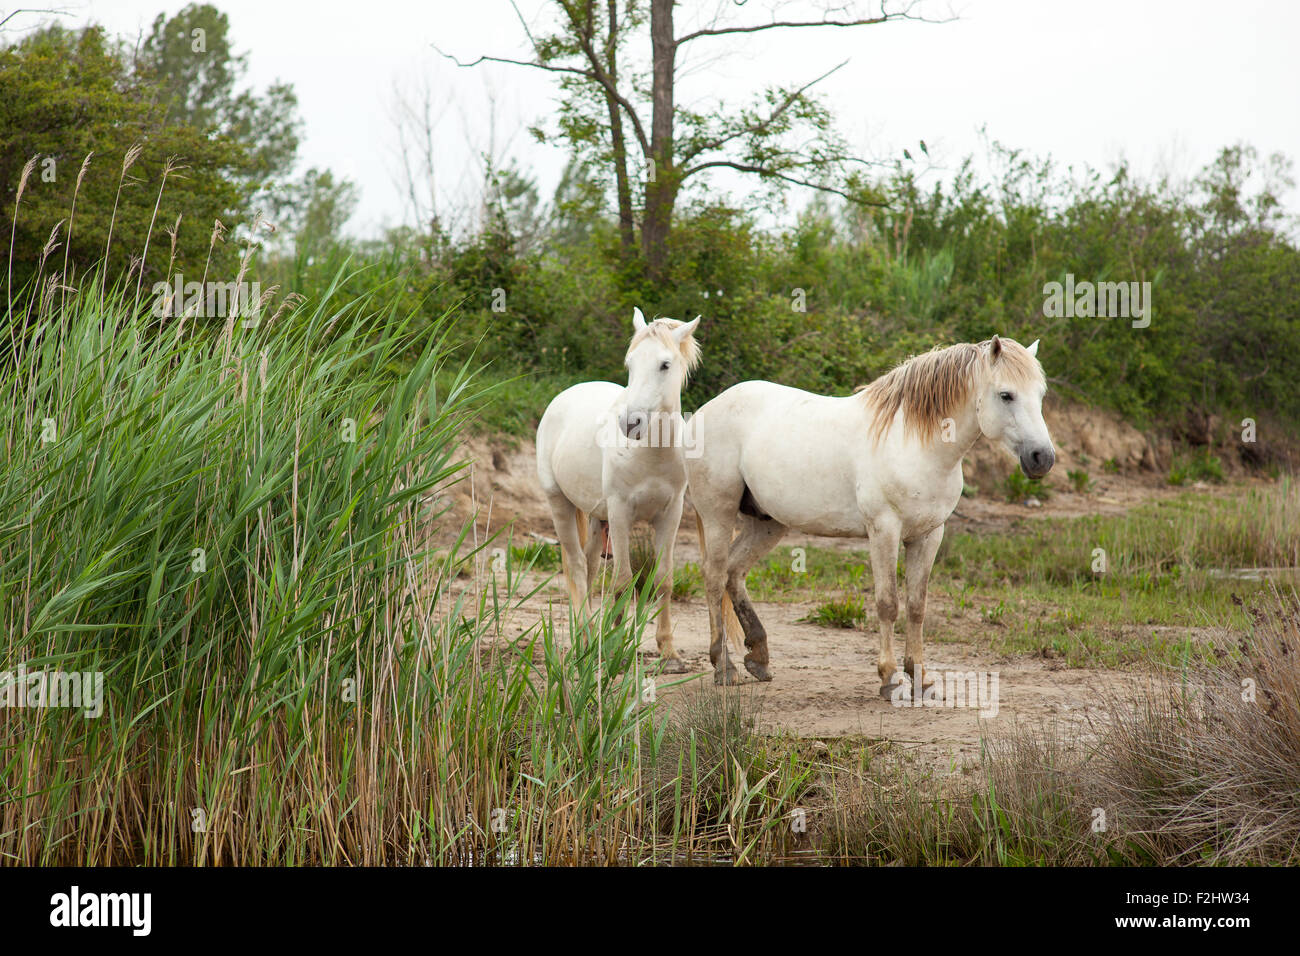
x=1165, y=83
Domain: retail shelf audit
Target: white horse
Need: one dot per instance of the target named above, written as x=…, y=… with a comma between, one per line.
x=883, y=463
x=616, y=454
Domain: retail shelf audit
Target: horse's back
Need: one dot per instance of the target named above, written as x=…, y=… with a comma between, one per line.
x=793, y=450
x=754, y=410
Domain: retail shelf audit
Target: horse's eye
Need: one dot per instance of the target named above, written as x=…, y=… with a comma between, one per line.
x=666, y=366
x=1007, y=396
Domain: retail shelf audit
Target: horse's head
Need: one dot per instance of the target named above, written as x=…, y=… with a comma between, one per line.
x=662, y=354
x=1009, y=403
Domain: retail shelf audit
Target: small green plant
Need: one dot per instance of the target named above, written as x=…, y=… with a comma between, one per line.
x=1201, y=465
x=994, y=613
x=1110, y=466
x=845, y=612
x=1018, y=487
x=1079, y=480
x=1204, y=466
x=537, y=554
x=961, y=599
x=969, y=491
x=688, y=581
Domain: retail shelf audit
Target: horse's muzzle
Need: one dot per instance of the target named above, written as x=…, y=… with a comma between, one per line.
x=632, y=423
x=1037, y=462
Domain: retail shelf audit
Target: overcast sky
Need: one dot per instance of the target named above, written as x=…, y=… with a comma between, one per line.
x=1164, y=83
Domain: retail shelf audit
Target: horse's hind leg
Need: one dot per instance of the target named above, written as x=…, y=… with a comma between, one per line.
x=565, y=516
x=716, y=527
x=757, y=537
x=919, y=561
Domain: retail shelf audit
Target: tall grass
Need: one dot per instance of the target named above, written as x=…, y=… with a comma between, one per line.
x=233, y=526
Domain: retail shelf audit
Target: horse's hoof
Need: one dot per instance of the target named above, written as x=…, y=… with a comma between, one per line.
x=887, y=690
x=726, y=678
x=674, y=665
x=758, y=670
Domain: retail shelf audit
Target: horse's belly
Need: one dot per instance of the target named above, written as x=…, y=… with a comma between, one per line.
x=823, y=505
x=830, y=525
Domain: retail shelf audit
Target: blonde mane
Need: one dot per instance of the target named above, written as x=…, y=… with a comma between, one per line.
x=661, y=331
x=929, y=387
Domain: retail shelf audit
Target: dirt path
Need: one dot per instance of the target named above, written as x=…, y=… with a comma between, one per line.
x=825, y=682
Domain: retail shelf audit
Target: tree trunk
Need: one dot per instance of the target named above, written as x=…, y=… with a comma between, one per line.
x=626, y=225
x=661, y=192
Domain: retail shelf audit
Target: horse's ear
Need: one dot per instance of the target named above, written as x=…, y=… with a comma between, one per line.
x=995, y=349
x=1033, y=349
x=686, y=329
x=638, y=320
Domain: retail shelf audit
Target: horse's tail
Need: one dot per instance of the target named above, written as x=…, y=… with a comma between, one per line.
x=580, y=518
x=730, y=623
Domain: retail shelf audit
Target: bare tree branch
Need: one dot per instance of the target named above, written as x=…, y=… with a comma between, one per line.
x=595, y=72
x=884, y=17
x=549, y=67
x=14, y=13
x=766, y=173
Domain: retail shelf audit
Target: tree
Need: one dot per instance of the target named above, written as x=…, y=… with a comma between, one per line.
x=189, y=61
x=67, y=94
x=313, y=210
x=785, y=138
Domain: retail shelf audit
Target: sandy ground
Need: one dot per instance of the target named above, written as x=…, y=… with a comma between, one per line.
x=825, y=683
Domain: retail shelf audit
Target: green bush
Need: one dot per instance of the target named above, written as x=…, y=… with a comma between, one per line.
x=1018, y=488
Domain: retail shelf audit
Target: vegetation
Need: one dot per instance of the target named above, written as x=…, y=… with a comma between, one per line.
x=545, y=289
x=1196, y=466
x=235, y=518
x=848, y=611
x=1197, y=768
x=1019, y=488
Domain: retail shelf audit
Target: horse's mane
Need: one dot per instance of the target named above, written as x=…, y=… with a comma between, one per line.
x=661, y=331
x=930, y=386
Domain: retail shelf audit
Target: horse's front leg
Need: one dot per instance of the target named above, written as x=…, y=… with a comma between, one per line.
x=620, y=540
x=665, y=528
x=919, y=561
x=883, y=545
